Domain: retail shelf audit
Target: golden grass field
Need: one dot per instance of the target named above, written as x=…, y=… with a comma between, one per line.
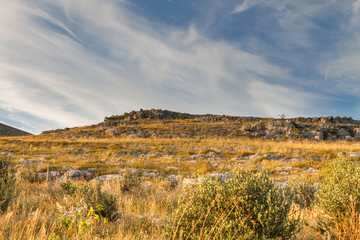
x=144, y=210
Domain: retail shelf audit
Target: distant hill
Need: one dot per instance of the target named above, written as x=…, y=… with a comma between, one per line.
x=7, y=131
x=157, y=123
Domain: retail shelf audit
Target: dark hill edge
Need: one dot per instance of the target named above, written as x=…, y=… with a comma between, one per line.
x=7, y=131
x=158, y=114
x=169, y=124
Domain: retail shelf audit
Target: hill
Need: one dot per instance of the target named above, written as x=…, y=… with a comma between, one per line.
x=7, y=131
x=156, y=123
x=140, y=165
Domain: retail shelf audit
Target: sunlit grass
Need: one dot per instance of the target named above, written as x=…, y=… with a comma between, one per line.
x=35, y=210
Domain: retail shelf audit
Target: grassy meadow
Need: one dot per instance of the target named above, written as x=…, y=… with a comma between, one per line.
x=143, y=204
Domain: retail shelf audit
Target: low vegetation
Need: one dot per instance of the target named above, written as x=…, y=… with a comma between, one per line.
x=7, y=184
x=210, y=183
x=249, y=205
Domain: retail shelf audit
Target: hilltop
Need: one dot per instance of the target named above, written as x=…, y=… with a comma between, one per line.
x=7, y=131
x=157, y=123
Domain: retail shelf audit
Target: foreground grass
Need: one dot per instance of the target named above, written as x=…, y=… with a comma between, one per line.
x=38, y=211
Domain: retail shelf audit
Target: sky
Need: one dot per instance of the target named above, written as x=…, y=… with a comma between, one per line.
x=66, y=63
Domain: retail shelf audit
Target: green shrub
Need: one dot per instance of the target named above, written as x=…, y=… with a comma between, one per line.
x=79, y=224
x=30, y=176
x=94, y=196
x=304, y=192
x=116, y=117
x=130, y=180
x=247, y=206
x=68, y=188
x=7, y=184
x=341, y=186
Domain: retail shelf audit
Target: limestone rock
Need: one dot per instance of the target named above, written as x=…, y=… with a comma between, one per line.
x=73, y=175
x=111, y=132
x=107, y=178
x=53, y=175
x=312, y=170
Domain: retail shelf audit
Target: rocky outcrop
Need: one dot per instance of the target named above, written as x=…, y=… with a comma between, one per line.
x=171, y=124
x=315, y=129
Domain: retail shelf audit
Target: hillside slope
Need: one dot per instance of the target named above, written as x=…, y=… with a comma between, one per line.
x=157, y=123
x=7, y=131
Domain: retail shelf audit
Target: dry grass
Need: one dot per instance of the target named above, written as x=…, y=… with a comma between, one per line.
x=35, y=211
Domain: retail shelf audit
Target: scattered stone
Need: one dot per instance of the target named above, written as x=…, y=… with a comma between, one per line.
x=271, y=156
x=172, y=168
x=14, y=141
x=280, y=184
x=191, y=162
x=107, y=178
x=195, y=157
x=147, y=185
x=92, y=170
x=174, y=178
x=188, y=181
x=289, y=160
x=149, y=175
x=72, y=175
x=7, y=153
x=120, y=153
x=111, y=132
x=220, y=176
x=285, y=174
x=28, y=162
x=353, y=154
x=215, y=164
x=284, y=168
x=342, y=133
x=255, y=156
x=133, y=170
x=312, y=170
x=53, y=175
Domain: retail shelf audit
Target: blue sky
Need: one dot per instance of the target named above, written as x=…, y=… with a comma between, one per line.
x=66, y=63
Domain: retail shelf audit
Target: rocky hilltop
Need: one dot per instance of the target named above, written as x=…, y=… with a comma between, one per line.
x=157, y=123
x=6, y=131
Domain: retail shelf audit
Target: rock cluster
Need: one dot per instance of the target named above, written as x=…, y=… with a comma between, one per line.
x=131, y=125
x=314, y=130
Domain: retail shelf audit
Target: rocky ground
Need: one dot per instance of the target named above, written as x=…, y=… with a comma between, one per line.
x=161, y=152
x=166, y=124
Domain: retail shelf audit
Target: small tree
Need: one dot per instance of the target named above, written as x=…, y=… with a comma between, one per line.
x=7, y=184
x=282, y=116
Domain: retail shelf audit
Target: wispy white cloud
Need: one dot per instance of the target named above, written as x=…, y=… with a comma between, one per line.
x=356, y=6
x=284, y=100
x=73, y=62
x=246, y=4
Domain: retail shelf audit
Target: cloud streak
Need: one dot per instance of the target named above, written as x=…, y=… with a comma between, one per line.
x=246, y=5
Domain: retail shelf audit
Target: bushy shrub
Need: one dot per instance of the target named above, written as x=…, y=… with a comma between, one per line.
x=68, y=188
x=130, y=180
x=247, y=206
x=304, y=192
x=94, y=196
x=7, y=184
x=30, y=176
x=340, y=188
